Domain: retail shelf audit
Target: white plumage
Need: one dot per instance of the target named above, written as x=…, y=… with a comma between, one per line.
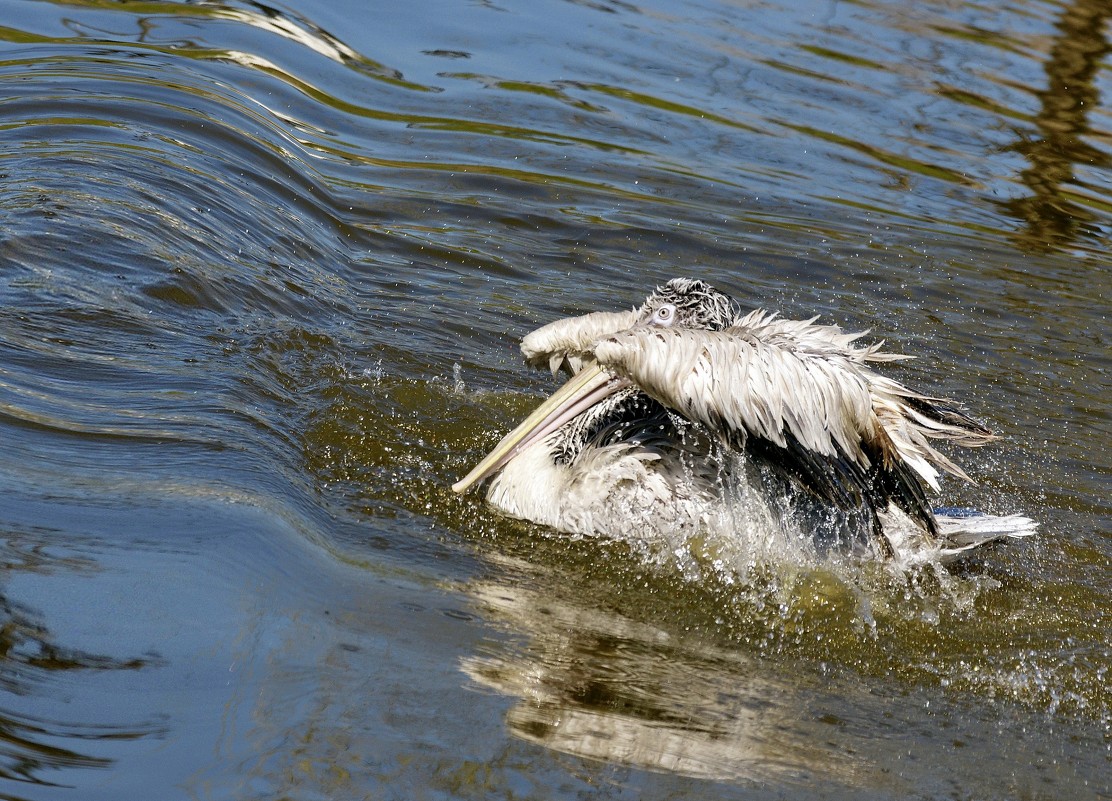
x=679, y=408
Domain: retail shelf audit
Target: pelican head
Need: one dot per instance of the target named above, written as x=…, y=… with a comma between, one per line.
x=689, y=303
x=664, y=401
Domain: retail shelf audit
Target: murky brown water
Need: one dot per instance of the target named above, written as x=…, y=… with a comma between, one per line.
x=264, y=270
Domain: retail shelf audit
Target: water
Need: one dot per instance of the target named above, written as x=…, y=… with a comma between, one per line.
x=263, y=272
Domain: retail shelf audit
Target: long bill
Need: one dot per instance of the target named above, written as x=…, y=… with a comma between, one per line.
x=582, y=391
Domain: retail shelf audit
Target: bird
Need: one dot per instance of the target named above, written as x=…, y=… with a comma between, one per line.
x=688, y=411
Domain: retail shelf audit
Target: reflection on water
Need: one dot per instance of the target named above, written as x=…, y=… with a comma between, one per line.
x=668, y=696
x=1055, y=214
x=263, y=269
x=598, y=685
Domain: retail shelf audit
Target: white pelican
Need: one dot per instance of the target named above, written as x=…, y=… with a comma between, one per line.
x=673, y=406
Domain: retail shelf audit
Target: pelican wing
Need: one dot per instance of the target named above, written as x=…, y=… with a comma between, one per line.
x=791, y=380
x=909, y=419
x=740, y=387
x=567, y=343
x=809, y=336
x=813, y=410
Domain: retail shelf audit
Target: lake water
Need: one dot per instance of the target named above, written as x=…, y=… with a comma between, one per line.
x=263, y=272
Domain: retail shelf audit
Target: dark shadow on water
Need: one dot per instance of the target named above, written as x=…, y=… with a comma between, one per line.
x=31, y=747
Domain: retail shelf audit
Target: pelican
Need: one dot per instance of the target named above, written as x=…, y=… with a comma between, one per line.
x=676, y=409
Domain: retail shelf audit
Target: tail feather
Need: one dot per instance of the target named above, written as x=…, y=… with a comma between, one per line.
x=911, y=421
x=958, y=535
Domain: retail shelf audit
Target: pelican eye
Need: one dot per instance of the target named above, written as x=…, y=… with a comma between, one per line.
x=664, y=315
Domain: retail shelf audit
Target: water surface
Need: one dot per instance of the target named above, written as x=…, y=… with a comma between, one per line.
x=263, y=271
